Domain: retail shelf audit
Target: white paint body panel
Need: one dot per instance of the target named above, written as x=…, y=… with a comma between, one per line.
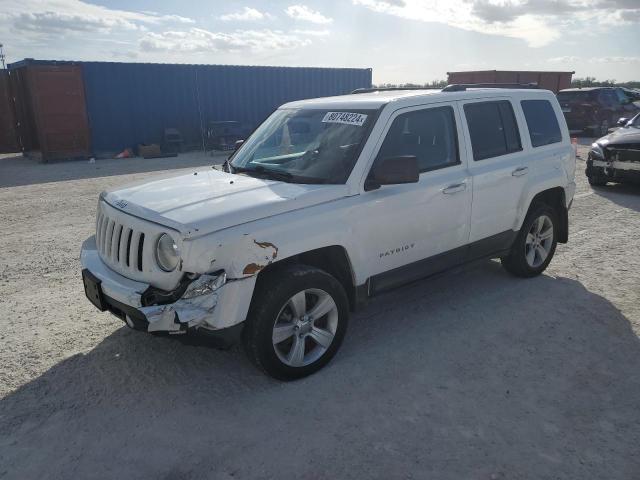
x=241, y=224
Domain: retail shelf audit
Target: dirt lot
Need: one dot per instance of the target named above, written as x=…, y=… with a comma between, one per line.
x=474, y=375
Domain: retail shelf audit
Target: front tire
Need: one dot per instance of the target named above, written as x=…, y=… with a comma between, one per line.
x=296, y=323
x=535, y=244
x=597, y=180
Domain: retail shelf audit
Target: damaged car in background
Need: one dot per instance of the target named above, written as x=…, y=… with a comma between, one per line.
x=616, y=157
x=329, y=202
x=594, y=110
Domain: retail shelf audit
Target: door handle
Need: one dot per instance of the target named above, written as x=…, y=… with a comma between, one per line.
x=458, y=187
x=518, y=172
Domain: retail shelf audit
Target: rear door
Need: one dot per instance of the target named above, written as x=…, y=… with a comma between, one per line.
x=497, y=166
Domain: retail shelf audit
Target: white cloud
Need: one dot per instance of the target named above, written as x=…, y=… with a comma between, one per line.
x=246, y=15
x=312, y=33
x=565, y=59
x=197, y=40
x=538, y=22
x=68, y=16
x=304, y=13
x=56, y=22
x=574, y=59
x=616, y=60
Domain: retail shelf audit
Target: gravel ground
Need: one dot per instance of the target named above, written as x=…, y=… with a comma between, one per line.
x=473, y=374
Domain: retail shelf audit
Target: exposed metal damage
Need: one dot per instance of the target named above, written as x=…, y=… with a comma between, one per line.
x=195, y=307
x=255, y=267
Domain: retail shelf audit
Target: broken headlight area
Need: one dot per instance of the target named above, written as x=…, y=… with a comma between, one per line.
x=596, y=151
x=205, y=284
x=194, y=307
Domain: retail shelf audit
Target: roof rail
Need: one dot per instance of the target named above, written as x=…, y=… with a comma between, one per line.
x=454, y=87
x=386, y=89
x=460, y=87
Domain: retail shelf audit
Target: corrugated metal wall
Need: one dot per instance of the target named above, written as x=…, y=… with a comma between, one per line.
x=50, y=108
x=553, y=81
x=60, y=112
x=131, y=103
x=8, y=133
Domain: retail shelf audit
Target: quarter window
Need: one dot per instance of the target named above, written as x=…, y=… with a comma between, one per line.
x=542, y=122
x=430, y=135
x=493, y=129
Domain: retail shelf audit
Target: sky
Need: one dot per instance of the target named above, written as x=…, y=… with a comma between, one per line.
x=401, y=40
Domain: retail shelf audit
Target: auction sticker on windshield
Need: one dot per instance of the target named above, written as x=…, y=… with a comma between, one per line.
x=347, y=118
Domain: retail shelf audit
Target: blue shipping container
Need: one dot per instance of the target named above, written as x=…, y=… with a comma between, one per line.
x=132, y=103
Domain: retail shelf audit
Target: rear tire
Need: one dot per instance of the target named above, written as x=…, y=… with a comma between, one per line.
x=535, y=244
x=296, y=323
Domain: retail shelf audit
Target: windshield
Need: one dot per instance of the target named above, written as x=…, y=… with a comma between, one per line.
x=577, y=96
x=305, y=145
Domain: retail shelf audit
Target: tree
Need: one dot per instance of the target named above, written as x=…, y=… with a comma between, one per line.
x=592, y=82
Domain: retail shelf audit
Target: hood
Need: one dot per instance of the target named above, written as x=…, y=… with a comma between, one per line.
x=205, y=201
x=622, y=135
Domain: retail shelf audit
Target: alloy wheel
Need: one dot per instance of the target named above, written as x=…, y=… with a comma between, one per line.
x=539, y=241
x=305, y=327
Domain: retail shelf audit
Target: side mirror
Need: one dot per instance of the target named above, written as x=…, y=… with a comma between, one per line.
x=238, y=144
x=622, y=121
x=393, y=171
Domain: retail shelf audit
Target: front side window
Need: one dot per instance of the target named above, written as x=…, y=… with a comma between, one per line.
x=622, y=97
x=429, y=135
x=493, y=129
x=542, y=122
x=305, y=145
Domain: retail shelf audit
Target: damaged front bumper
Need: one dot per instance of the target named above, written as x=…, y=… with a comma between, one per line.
x=613, y=170
x=192, y=309
x=209, y=304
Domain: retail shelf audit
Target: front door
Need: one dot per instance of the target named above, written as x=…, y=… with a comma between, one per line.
x=405, y=224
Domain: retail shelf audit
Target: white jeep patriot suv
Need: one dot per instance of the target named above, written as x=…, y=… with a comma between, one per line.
x=329, y=202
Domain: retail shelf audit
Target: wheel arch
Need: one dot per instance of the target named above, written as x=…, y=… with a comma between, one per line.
x=333, y=259
x=554, y=197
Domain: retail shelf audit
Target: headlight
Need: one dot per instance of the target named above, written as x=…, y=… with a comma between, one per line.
x=597, y=150
x=167, y=253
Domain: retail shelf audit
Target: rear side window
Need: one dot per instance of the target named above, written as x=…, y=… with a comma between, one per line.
x=608, y=98
x=493, y=129
x=430, y=135
x=542, y=122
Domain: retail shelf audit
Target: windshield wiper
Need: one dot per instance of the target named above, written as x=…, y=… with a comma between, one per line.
x=265, y=172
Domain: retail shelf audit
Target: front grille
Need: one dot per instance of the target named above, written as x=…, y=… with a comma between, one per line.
x=126, y=244
x=623, y=153
x=119, y=244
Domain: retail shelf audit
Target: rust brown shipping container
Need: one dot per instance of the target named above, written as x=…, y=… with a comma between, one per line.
x=51, y=110
x=8, y=133
x=554, y=81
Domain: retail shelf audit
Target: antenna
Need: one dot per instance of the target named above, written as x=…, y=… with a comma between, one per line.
x=2, y=57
